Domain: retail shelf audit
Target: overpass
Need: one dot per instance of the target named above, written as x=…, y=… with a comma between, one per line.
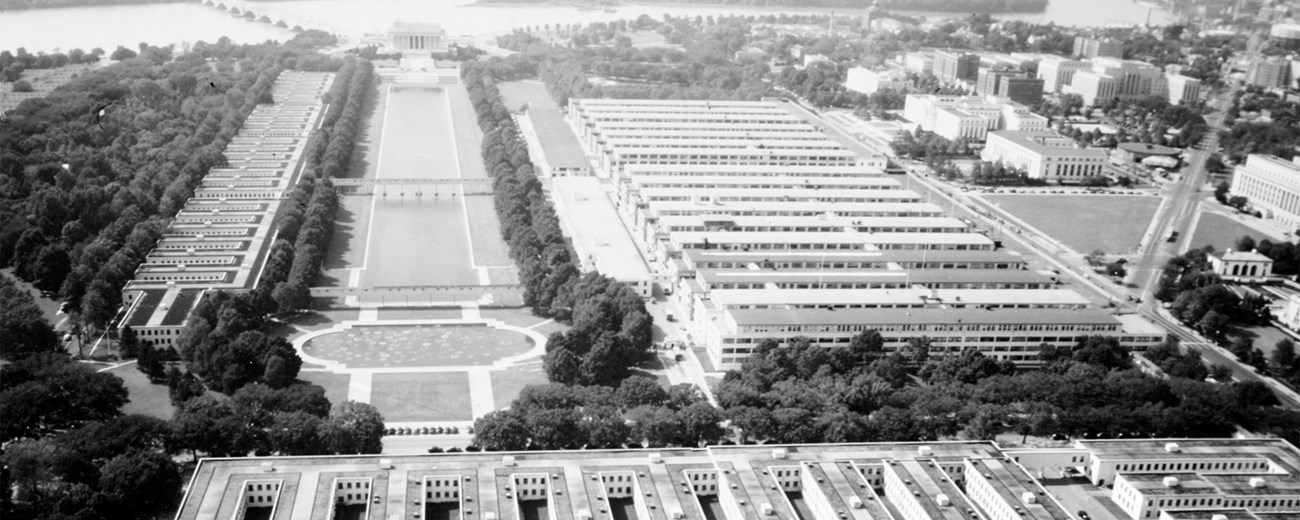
x=436, y=186
x=278, y=17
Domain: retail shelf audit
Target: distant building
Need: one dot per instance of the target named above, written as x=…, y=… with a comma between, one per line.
x=1273, y=187
x=953, y=116
x=1241, y=264
x=809, y=59
x=1270, y=72
x=417, y=36
x=1057, y=72
x=1183, y=89
x=952, y=66
x=1137, y=152
x=867, y=81
x=989, y=80
x=1089, y=47
x=869, y=15
x=1044, y=155
x=919, y=62
x=1023, y=90
x=1115, y=78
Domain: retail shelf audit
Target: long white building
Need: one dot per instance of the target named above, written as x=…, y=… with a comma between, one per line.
x=220, y=238
x=744, y=210
x=1044, y=155
x=1272, y=186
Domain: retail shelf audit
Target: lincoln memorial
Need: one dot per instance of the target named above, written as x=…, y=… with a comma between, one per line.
x=417, y=36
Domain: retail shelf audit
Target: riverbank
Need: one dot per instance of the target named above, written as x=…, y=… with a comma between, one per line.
x=21, y=5
x=936, y=6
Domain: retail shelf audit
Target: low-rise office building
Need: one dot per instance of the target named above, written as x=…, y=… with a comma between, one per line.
x=1044, y=155
x=221, y=236
x=867, y=81
x=1272, y=185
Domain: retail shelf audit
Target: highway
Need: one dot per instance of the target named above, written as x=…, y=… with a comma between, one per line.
x=1176, y=214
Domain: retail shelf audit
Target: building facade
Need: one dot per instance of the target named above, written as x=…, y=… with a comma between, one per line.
x=1044, y=155
x=417, y=36
x=867, y=81
x=1089, y=47
x=954, y=66
x=1058, y=72
x=1273, y=187
x=1182, y=89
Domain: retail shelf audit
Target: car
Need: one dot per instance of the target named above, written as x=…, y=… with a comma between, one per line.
x=1060, y=437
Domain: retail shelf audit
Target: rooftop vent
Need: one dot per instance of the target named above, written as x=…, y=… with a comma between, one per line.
x=1219, y=517
x=855, y=502
x=1029, y=497
x=767, y=509
x=268, y=467
x=584, y=514
x=677, y=514
x=1257, y=482
x=508, y=461
x=1171, y=481
x=779, y=453
x=943, y=500
x=385, y=463
x=1173, y=447
x=656, y=458
x=924, y=451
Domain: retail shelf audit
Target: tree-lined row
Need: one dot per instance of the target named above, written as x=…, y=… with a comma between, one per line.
x=804, y=393
x=639, y=413
x=88, y=172
x=611, y=328
x=955, y=6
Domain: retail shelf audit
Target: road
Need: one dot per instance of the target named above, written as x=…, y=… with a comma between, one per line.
x=1184, y=199
x=1175, y=215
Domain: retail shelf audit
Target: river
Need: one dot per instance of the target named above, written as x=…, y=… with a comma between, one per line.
x=51, y=30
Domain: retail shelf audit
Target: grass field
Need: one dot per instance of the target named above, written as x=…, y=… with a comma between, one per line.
x=335, y=385
x=418, y=346
x=431, y=396
x=1221, y=232
x=522, y=317
x=1112, y=223
x=506, y=384
x=516, y=93
x=146, y=398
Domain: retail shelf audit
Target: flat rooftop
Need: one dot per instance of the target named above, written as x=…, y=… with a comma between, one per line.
x=1277, y=450
x=750, y=317
x=558, y=142
x=597, y=232
x=839, y=297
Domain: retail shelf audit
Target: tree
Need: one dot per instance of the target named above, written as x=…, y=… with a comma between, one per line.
x=22, y=86
x=1116, y=269
x=639, y=391
x=1245, y=243
x=1221, y=192
x=1096, y=257
x=140, y=484
x=554, y=428
x=122, y=53
x=918, y=350
x=867, y=346
x=295, y=433
x=700, y=424
x=1283, y=360
x=1238, y=202
x=354, y=428
x=501, y=430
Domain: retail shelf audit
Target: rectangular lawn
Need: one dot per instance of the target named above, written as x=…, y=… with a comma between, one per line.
x=145, y=398
x=429, y=396
x=1221, y=232
x=1112, y=223
x=335, y=385
x=506, y=384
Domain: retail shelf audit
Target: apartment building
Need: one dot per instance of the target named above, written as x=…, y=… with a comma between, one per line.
x=1058, y=72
